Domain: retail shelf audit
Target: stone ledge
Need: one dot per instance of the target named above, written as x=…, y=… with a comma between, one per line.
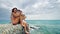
x=10, y=29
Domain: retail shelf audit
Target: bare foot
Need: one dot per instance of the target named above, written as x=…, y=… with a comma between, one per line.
x=27, y=32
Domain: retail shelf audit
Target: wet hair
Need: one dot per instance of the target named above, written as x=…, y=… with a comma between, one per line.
x=19, y=10
x=19, y=19
x=23, y=15
x=13, y=9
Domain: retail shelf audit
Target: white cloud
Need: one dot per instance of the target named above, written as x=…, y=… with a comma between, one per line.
x=36, y=5
x=42, y=17
x=34, y=9
x=40, y=4
x=4, y=6
x=58, y=1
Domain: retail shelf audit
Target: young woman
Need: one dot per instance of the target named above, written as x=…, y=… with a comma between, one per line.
x=24, y=24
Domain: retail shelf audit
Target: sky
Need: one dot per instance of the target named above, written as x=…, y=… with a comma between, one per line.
x=33, y=9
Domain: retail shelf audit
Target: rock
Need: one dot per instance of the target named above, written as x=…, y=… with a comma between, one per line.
x=10, y=29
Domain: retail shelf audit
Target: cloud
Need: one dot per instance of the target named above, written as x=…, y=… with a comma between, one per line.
x=43, y=17
x=58, y=1
x=40, y=4
x=33, y=9
x=4, y=14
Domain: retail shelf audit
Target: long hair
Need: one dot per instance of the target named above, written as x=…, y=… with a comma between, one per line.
x=13, y=9
x=20, y=16
x=19, y=11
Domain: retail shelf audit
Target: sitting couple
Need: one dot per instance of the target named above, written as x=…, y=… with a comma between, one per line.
x=17, y=17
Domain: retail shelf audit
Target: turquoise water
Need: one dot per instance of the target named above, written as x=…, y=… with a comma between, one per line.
x=46, y=26
x=4, y=21
x=53, y=22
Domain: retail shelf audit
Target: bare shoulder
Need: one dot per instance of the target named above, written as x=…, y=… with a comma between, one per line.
x=25, y=22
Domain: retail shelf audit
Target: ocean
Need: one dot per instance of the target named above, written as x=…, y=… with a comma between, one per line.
x=41, y=26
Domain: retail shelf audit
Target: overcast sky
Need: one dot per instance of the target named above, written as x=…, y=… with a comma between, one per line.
x=33, y=9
